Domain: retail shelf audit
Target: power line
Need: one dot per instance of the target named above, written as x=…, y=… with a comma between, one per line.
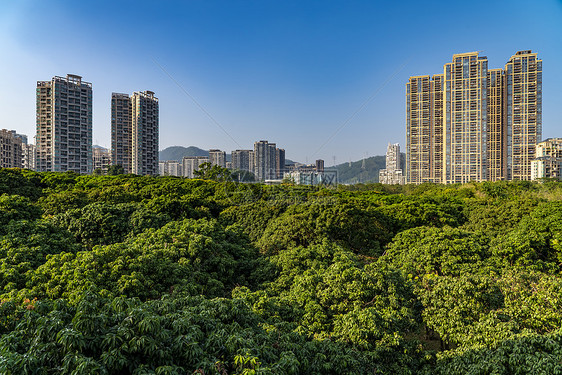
x=196, y=102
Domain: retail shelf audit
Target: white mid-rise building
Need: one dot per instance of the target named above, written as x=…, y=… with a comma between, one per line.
x=392, y=174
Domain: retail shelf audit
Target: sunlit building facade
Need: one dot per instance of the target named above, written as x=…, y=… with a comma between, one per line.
x=64, y=125
x=11, y=155
x=472, y=123
x=523, y=112
x=134, y=132
x=392, y=174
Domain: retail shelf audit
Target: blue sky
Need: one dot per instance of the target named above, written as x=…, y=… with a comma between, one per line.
x=291, y=72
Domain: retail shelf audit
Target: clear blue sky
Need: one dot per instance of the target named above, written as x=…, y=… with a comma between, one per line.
x=291, y=72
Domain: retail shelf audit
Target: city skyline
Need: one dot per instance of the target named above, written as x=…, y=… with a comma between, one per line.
x=294, y=73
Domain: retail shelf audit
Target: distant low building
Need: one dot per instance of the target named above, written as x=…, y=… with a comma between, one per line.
x=29, y=151
x=11, y=155
x=548, y=159
x=29, y=155
x=170, y=168
x=242, y=160
x=217, y=157
x=190, y=164
x=102, y=158
x=308, y=177
x=392, y=174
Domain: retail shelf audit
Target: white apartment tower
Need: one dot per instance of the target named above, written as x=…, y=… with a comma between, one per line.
x=268, y=161
x=134, y=132
x=64, y=125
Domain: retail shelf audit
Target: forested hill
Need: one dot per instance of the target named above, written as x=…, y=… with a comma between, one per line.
x=178, y=152
x=165, y=275
x=364, y=170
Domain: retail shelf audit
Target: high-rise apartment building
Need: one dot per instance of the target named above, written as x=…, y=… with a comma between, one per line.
x=191, y=163
x=319, y=165
x=29, y=156
x=10, y=149
x=134, y=132
x=241, y=160
x=419, y=129
x=28, y=152
x=121, y=136
x=464, y=125
x=170, y=168
x=217, y=157
x=424, y=119
x=497, y=136
x=262, y=160
x=280, y=162
x=268, y=161
x=472, y=123
x=523, y=112
x=64, y=125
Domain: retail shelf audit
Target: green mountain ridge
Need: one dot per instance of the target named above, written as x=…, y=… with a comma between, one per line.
x=178, y=152
x=364, y=170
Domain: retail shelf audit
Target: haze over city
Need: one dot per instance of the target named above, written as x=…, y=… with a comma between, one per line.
x=320, y=79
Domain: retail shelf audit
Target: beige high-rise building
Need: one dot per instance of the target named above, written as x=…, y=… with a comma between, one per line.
x=134, y=132
x=420, y=129
x=473, y=123
x=64, y=125
x=437, y=135
x=523, y=112
x=497, y=135
x=464, y=129
x=11, y=155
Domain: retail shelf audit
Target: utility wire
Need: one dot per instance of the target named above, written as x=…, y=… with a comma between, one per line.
x=362, y=106
x=196, y=102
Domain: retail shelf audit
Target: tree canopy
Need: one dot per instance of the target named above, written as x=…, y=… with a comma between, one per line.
x=124, y=274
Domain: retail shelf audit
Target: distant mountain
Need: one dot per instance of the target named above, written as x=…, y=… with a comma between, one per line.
x=353, y=173
x=178, y=152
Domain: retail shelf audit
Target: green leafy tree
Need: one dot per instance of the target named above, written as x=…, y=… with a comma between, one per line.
x=208, y=171
x=114, y=170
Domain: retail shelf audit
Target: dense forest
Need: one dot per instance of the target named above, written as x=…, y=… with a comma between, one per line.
x=164, y=275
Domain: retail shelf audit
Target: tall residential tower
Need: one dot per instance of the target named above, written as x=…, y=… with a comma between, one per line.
x=472, y=123
x=134, y=132
x=64, y=125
